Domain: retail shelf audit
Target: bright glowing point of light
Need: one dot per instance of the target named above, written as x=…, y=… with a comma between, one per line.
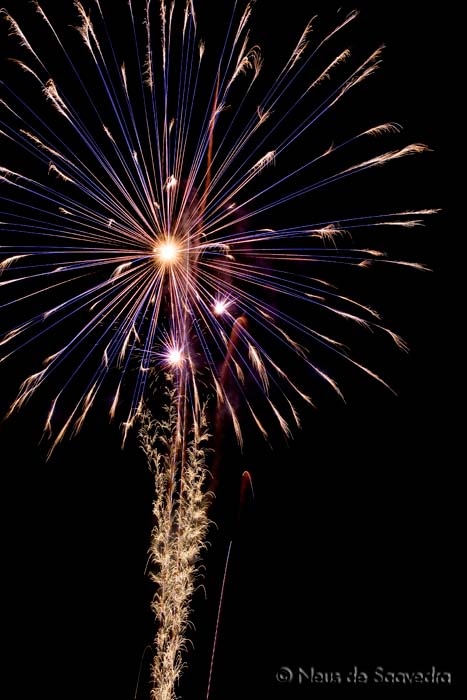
x=174, y=357
x=167, y=252
x=220, y=307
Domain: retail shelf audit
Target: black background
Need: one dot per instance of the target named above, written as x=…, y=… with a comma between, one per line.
x=347, y=555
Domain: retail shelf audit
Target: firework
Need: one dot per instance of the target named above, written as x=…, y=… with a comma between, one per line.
x=143, y=233
x=178, y=536
x=142, y=226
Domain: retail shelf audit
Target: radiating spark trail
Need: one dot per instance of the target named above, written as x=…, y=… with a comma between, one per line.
x=219, y=611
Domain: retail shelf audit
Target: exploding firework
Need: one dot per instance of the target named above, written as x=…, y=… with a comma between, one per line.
x=136, y=231
x=146, y=232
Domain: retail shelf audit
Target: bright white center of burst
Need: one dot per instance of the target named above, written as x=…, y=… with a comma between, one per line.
x=167, y=252
x=220, y=307
x=174, y=356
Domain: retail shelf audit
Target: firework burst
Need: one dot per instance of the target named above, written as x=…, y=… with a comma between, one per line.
x=136, y=230
x=145, y=229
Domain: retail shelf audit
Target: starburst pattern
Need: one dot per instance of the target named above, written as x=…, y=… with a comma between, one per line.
x=137, y=234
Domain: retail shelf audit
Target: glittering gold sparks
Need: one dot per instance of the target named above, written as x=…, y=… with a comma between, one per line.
x=180, y=510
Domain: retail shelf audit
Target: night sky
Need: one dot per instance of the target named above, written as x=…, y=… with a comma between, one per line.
x=346, y=555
